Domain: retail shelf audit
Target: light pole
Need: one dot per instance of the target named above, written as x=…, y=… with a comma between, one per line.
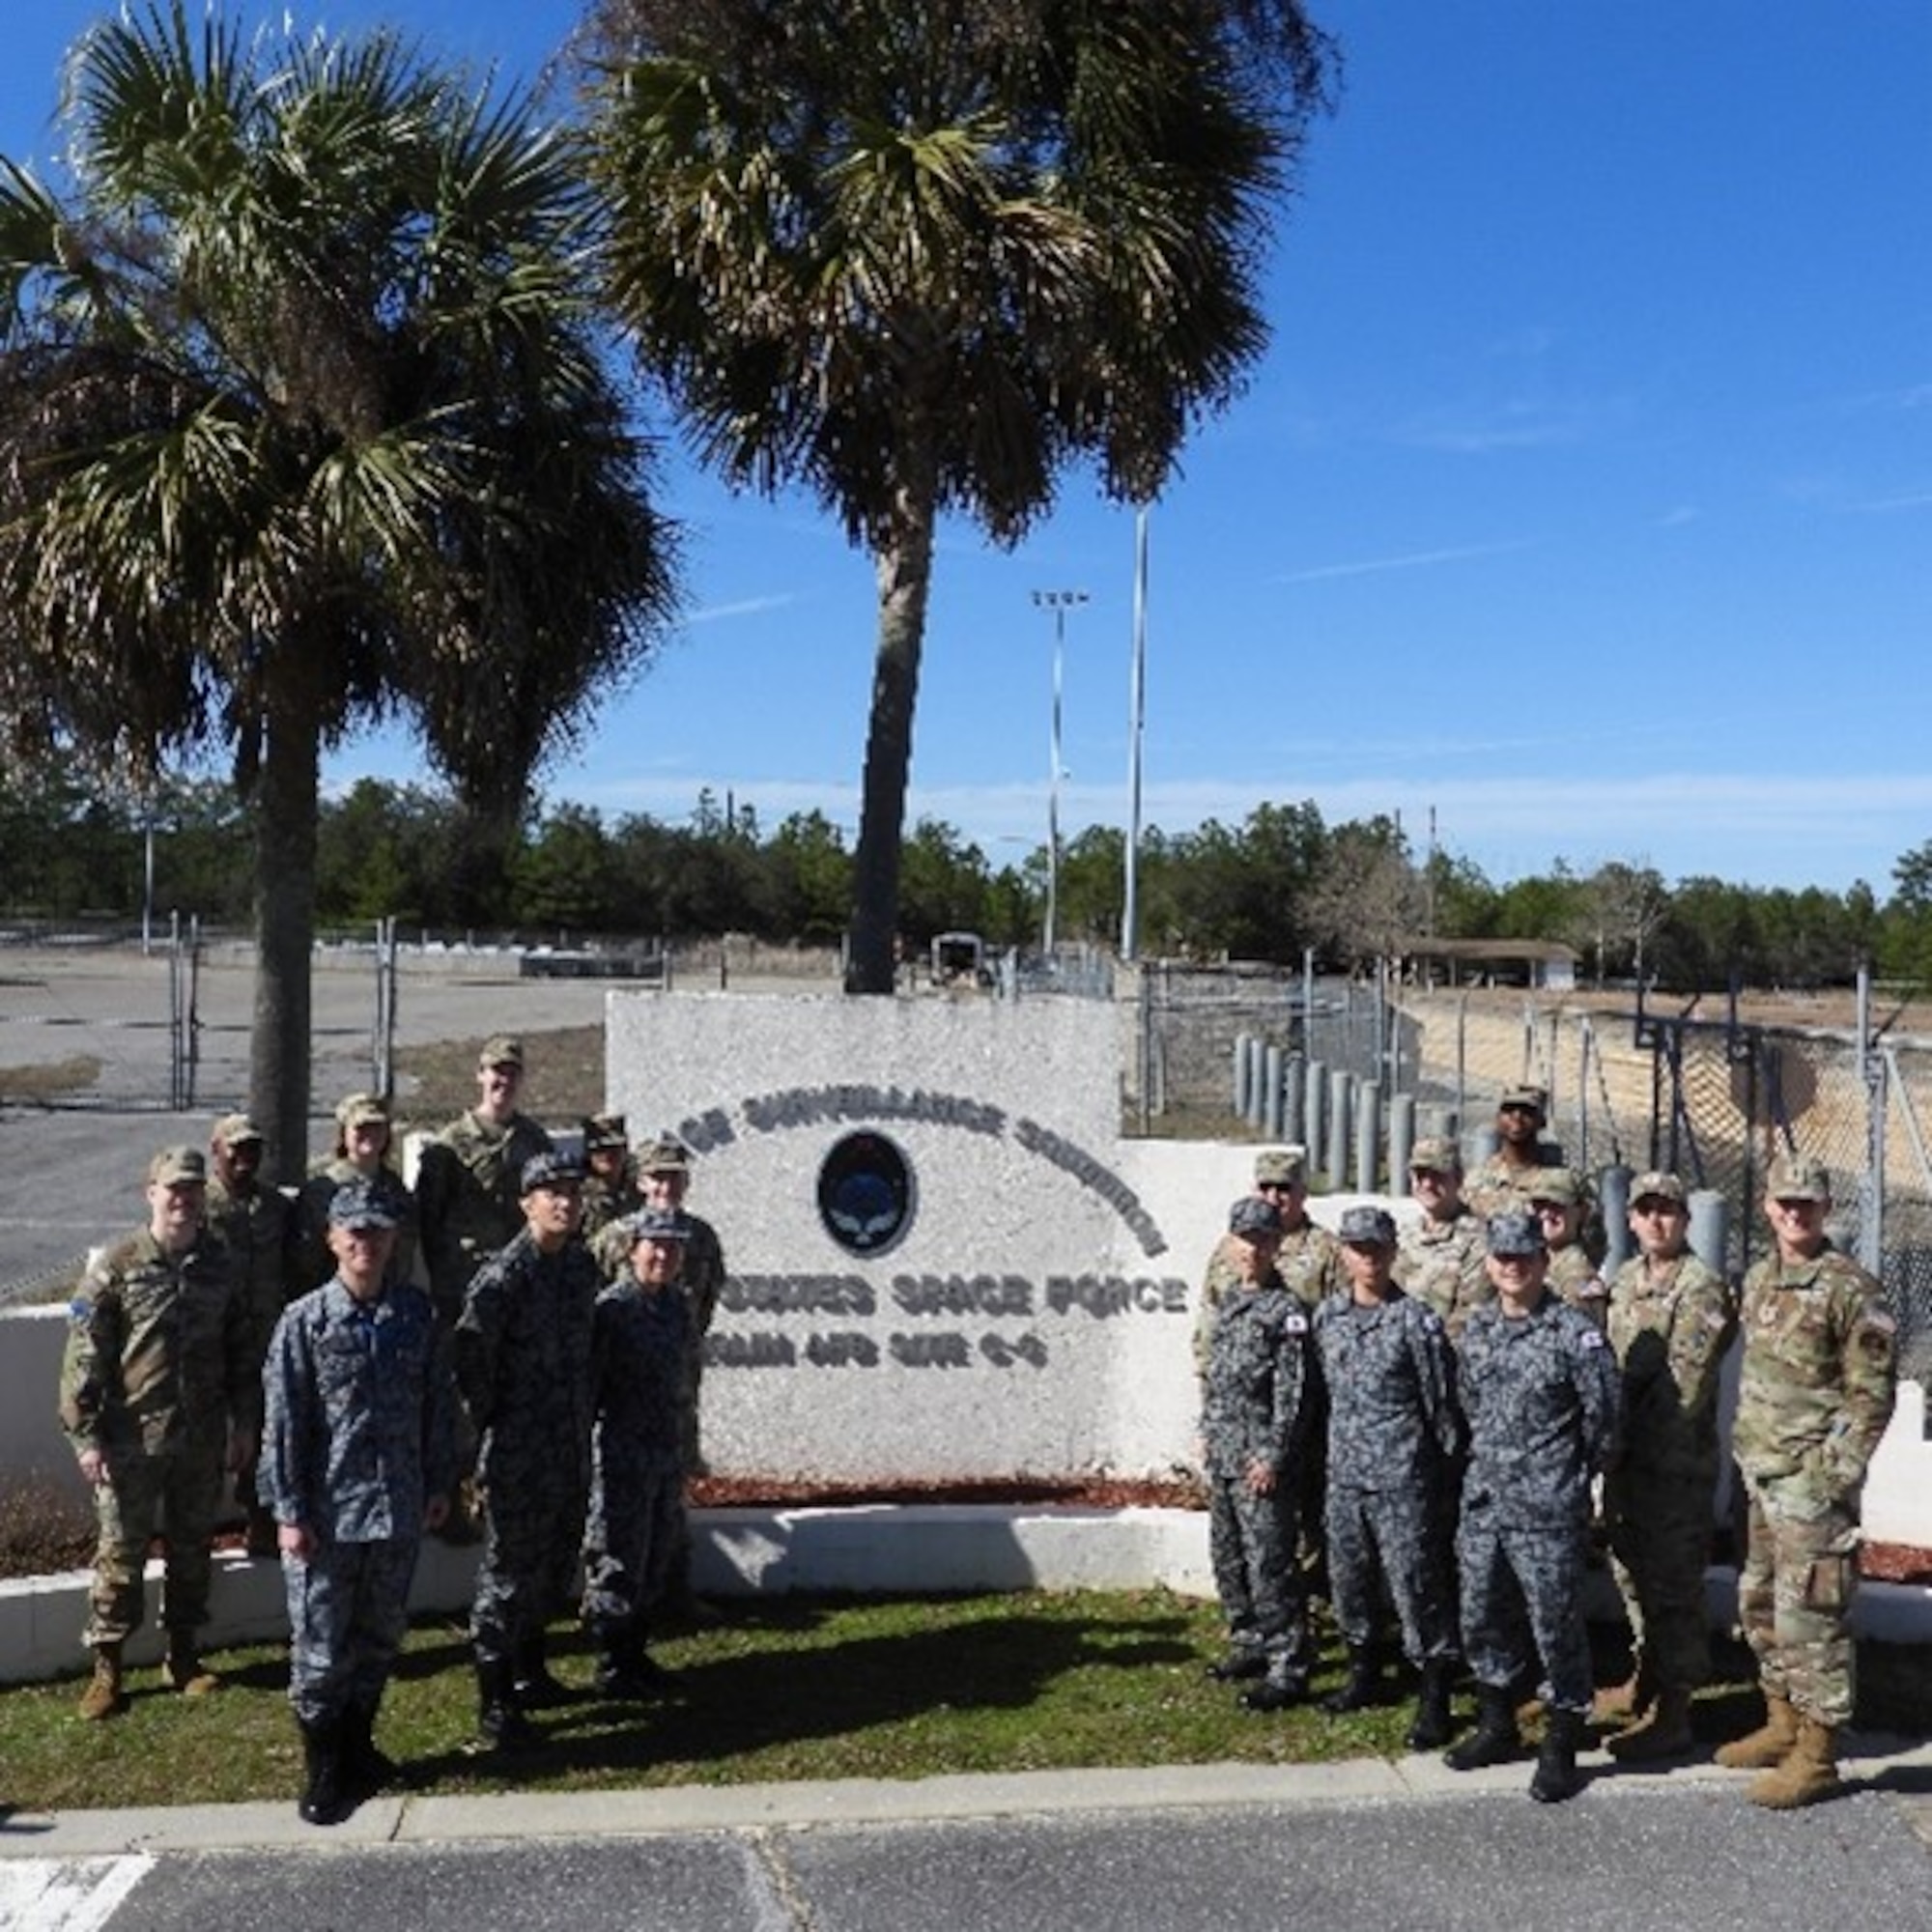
x=1130, y=897
x=1059, y=602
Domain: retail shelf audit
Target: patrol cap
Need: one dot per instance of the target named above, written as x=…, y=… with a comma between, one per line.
x=501, y=1049
x=237, y=1130
x=1559, y=1184
x=666, y=1154
x=1367, y=1228
x=1514, y=1234
x=1249, y=1217
x=1437, y=1154
x=1525, y=1096
x=357, y=1205
x=658, y=1224
x=179, y=1167
x=1281, y=1167
x=360, y=1110
x=1797, y=1177
x=1657, y=1185
x=551, y=1170
x=605, y=1133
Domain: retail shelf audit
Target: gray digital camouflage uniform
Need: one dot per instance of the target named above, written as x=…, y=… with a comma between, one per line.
x=1255, y=1407
x=1394, y=1431
x=524, y=1364
x=637, y=1495
x=1820, y=1373
x=1541, y=1396
x=358, y=1438
x=159, y=1366
x=1670, y=1330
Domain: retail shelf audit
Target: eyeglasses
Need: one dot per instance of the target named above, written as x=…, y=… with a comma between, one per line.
x=1518, y=1107
x=1276, y=1186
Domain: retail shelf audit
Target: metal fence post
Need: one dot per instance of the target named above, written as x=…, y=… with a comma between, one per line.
x=1341, y=1088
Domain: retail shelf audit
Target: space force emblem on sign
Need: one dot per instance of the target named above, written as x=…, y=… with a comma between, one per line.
x=865, y=1193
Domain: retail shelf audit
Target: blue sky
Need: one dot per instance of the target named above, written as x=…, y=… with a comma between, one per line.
x=1583, y=500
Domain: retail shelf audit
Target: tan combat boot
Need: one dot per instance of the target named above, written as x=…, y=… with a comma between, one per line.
x=1660, y=1732
x=1769, y=1744
x=1807, y=1776
x=104, y=1697
x=184, y=1669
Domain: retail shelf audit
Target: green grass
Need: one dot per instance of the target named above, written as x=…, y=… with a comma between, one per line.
x=784, y=1690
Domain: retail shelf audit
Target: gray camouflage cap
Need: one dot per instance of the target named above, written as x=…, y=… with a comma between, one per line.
x=1367, y=1228
x=357, y=1205
x=1514, y=1234
x=1250, y=1218
x=551, y=1170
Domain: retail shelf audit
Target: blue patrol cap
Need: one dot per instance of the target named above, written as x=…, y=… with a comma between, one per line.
x=551, y=1170
x=1367, y=1228
x=1514, y=1234
x=357, y=1205
x=1249, y=1217
x=659, y=1224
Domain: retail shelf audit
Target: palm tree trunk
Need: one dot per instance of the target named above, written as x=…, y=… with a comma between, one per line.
x=290, y=785
x=903, y=562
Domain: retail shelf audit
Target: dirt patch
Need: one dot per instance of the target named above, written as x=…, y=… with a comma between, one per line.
x=563, y=1078
x=1895, y=1563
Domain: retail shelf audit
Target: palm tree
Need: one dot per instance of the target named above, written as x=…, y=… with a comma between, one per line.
x=305, y=424
x=920, y=255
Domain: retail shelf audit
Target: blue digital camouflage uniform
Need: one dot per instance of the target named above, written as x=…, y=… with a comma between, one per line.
x=1541, y=1396
x=1820, y=1373
x=159, y=1364
x=1394, y=1431
x=1257, y=1398
x=313, y=1264
x=637, y=1493
x=524, y=1364
x=358, y=1438
x=1670, y=1329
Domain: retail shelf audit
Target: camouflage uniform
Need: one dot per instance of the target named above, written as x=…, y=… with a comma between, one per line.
x=469, y=1203
x=636, y=1496
x=1670, y=1330
x=700, y=1283
x=522, y=1361
x=159, y=1364
x=1542, y=1398
x=1440, y=1263
x=359, y=1440
x=1573, y=1279
x=257, y=1225
x=1819, y=1378
x=1255, y=1408
x=607, y=1202
x=1309, y=1263
x=1393, y=1433
x=314, y=1266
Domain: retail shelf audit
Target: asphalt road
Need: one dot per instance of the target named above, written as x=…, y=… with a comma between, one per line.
x=1092, y=1852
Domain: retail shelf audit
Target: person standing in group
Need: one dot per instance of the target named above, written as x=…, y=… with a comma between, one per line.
x=611, y=1191
x=1820, y=1374
x=663, y=1176
x=1394, y=1432
x=1309, y=1259
x=358, y=1461
x=258, y=1227
x=1255, y=1414
x=159, y=1393
x=1439, y=1258
x=524, y=1364
x=364, y=1150
x=1540, y=1392
x=468, y=1205
x=1671, y=1322
x=469, y=1208
x=1560, y=1200
x=1505, y=1181
x=637, y=1493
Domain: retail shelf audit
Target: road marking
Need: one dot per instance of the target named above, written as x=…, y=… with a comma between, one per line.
x=66, y=1894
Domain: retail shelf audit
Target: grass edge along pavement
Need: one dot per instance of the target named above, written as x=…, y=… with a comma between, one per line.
x=792, y=1690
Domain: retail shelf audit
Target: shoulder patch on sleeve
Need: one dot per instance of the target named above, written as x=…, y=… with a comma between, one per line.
x=1880, y=1319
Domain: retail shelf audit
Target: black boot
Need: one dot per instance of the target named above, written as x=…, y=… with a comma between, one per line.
x=500, y=1723
x=1495, y=1740
x=1242, y=1660
x=1283, y=1684
x=1432, y=1728
x=1555, y=1778
x=536, y=1689
x=323, y=1801
x=365, y=1770
x=618, y=1674
x=1361, y=1688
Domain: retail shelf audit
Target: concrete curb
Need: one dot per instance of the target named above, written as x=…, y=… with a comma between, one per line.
x=1887, y=1765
